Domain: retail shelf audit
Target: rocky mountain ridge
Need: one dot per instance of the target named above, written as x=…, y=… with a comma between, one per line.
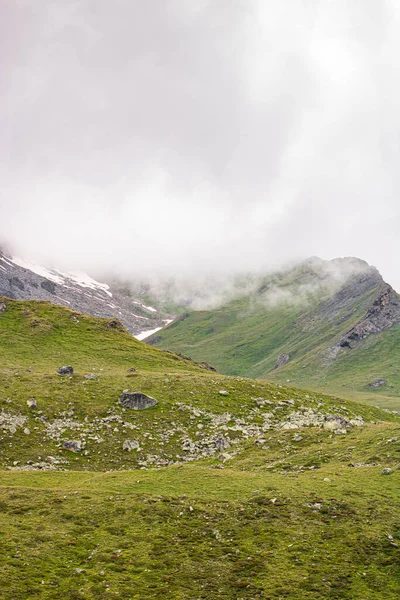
x=21, y=280
x=322, y=324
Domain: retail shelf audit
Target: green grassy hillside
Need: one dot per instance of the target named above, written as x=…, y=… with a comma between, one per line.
x=233, y=488
x=300, y=314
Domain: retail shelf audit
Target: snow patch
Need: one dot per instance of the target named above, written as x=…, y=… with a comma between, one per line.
x=62, y=299
x=37, y=269
x=145, y=334
x=83, y=280
x=150, y=308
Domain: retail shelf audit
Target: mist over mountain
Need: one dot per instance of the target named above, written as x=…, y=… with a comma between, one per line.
x=193, y=138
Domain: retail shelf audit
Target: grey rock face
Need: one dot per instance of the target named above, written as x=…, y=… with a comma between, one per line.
x=137, y=400
x=72, y=445
x=65, y=370
x=282, y=360
x=384, y=312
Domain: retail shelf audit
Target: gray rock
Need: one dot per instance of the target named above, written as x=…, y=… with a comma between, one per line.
x=32, y=403
x=65, y=370
x=91, y=376
x=137, y=400
x=377, y=383
x=223, y=393
x=222, y=443
x=3, y=307
x=131, y=445
x=340, y=431
x=72, y=445
x=131, y=370
x=387, y=471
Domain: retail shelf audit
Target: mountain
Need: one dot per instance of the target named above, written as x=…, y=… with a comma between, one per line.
x=325, y=325
x=22, y=280
x=223, y=487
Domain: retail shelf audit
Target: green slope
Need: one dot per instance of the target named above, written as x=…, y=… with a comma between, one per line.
x=248, y=334
x=277, y=512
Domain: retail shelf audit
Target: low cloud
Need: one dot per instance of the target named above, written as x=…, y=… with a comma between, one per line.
x=180, y=139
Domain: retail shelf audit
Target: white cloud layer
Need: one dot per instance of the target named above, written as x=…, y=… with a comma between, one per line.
x=171, y=137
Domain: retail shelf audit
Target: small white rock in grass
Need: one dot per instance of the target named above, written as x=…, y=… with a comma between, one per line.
x=387, y=471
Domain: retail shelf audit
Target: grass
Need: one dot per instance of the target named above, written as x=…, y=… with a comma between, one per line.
x=283, y=517
x=246, y=336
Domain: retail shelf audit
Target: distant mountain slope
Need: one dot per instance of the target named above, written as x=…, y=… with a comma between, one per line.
x=328, y=325
x=21, y=280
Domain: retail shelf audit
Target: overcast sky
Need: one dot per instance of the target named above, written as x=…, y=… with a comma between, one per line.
x=185, y=136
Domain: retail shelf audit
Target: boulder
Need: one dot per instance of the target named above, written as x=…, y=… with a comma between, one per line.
x=387, y=471
x=131, y=445
x=32, y=403
x=72, y=445
x=137, y=400
x=65, y=370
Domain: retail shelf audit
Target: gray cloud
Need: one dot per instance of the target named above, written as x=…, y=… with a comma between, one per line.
x=168, y=137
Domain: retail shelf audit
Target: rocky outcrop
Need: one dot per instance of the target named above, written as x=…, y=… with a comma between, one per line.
x=25, y=281
x=137, y=400
x=383, y=314
x=282, y=360
x=65, y=370
x=377, y=383
x=72, y=445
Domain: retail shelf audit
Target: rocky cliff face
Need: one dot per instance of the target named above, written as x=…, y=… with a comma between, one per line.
x=383, y=314
x=24, y=281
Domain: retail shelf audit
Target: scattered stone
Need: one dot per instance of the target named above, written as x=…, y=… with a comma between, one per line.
x=297, y=437
x=377, y=383
x=327, y=479
x=137, y=400
x=131, y=370
x=3, y=307
x=387, y=471
x=65, y=370
x=222, y=443
x=26, y=431
x=340, y=432
x=91, y=376
x=32, y=403
x=282, y=360
x=225, y=456
x=223, y=393
x=131, y=445
x=72, y=445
